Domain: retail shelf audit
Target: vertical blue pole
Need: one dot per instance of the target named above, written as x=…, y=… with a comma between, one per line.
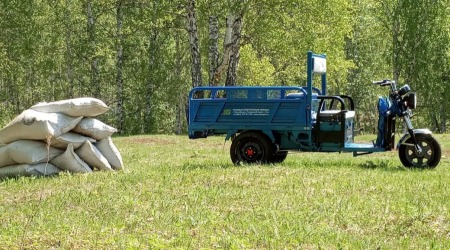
x=324, y=84
x=309, y=79
x=324, y=80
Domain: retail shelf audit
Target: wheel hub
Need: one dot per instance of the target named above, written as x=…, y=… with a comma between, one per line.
x=420, y=154
x=251, y=151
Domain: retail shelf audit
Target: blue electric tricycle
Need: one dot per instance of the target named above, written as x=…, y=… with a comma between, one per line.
x=265, y=123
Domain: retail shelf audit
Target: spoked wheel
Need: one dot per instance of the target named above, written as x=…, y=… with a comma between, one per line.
x=428, y=158
x=251, y=147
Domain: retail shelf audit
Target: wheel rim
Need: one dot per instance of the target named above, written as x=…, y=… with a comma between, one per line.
x=251, y=151
x=420, y=159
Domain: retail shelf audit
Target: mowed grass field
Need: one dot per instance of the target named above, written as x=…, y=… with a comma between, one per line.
x=177, y=193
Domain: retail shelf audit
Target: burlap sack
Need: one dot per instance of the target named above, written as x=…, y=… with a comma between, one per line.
x=35, y=125
x=85, y=106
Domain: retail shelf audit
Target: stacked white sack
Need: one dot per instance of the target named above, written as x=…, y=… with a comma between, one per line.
x=59, y=136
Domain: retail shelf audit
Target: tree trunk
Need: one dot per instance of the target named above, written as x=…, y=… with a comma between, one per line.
x=148, y=122
x=396, y=48
x=196, y=65
x=119, y=67
x=95, y=83
x=227, y=47
x=69, y=53
x=181, y=100
x=235, y=52
x=434, y=121
x=443, y=127
x=231, y=48
x=213, y=48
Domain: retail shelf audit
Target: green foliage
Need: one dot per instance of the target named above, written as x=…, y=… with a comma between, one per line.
x=406, y=41
x=254, y=70
x=49, y=52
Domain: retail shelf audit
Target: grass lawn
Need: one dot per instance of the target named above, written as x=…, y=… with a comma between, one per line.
x=177, y=193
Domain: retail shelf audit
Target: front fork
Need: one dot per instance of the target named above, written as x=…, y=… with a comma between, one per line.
x=407, y=119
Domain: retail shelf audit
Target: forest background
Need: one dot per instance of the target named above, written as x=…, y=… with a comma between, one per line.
x=143, y=57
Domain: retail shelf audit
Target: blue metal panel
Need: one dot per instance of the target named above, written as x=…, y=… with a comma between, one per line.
x=284, y=112
x=357, y=147
x=218, y=110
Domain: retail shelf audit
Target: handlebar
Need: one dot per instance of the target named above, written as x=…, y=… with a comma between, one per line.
x=385, y=82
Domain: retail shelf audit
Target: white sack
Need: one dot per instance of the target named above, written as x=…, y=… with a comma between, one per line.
x=90, y=154
x=34, y=125
x=110, y=152
x=86, y=106
x=43, y=169
x=71, y=162
x=5, y=159
x=64, y=140
x=32, y=152
x=94, y=128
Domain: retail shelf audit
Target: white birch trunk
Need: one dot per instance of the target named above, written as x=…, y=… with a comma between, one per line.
x=69, y=52
x=213, y=48
x=227, y=46
x=182, y=99
x=119, y=67
x=95, y=83
x=235, y=51
x=147, y=125
x=196, y=70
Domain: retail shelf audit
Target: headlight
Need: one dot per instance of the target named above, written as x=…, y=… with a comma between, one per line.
x=403, y=90
x=410, y=100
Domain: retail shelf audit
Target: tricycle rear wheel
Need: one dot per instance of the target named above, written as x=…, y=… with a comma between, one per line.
x=428, y=158
x=279, y=157
x=251, y=147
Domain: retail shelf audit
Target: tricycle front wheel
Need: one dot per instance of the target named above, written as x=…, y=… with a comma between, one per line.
x=428, y=158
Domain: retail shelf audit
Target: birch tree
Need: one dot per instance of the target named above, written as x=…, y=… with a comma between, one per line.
x=92, y=36
x=196, y=62
x=119, y=67
x=235, y=47
x=213, y=48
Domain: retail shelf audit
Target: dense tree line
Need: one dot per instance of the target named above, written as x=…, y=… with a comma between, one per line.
x=142, y=56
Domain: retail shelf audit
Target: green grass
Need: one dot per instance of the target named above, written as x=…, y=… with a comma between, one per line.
x=177, y=193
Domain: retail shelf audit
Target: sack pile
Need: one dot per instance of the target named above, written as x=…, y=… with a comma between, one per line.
x=59, y=136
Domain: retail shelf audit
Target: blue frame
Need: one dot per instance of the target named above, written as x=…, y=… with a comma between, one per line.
x=309, y=81
x=288, y=116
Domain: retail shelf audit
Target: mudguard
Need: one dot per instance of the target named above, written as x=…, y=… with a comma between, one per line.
x=406, y=136
x=268, y=133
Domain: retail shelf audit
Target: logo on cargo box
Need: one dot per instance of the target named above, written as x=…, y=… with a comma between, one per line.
x=226, y=112
x=250, y=112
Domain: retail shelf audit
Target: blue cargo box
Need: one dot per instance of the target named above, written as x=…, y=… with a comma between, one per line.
x=225, y=110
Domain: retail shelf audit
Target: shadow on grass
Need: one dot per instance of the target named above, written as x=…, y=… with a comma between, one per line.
x=222, y=165
x=205, y=165
x=26, y=178
x=382, y=165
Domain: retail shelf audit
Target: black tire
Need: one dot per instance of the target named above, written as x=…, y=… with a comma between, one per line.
x=279, y=157
x=429, y=158
x=251, y=147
